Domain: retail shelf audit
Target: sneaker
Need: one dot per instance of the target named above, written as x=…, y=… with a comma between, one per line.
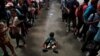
x=55, y=51
x=45, y=50
x=6, y=55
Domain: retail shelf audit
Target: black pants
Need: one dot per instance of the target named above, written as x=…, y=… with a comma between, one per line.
x=71, y=18
x=31, y=18
x=18, y=38
x=64, y=16
x=84, y=31
x=3, y=47
x=79, y=25
x=89, y=39
x=95, y=50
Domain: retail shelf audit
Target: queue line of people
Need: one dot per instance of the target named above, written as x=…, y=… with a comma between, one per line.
x=87, y=28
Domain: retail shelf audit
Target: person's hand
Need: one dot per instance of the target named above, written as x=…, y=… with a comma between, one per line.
x=68, y=11
x=74, y=6
x=12, y=26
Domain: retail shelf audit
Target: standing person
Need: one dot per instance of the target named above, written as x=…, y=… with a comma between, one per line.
x=72, y=5
x=36, y=6
x=8, y=7
x=22, y=8
x=96, y=40
x=31, y=12
x=93, y=21
x=15, y=28
x=40, y=4
x=94, y=52
x=65, y=10
x=79, y=14
x=3, y=13
x=90, y=9
x=5, y=40
x=47, y=4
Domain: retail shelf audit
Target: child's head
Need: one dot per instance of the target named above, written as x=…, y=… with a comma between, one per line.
x=51, y=34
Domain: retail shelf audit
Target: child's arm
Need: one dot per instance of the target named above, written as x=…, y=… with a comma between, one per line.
x=46, y=42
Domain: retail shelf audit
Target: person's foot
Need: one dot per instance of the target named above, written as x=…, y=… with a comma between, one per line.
x=55, y=51
x=17, y=46
x=45, y=50
x=83, y=49
x=6, y=55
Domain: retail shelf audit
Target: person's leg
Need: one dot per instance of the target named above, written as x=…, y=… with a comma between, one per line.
x=45, y=49
x=90, y=36
x=17, y=40
x=85, y=31
x=94, y=51
x=82, y=31
x=83, y=48
x=66, y=18
x=3, y=47
x=74, y=21
x=79, y=25
x=68, y=22
x=23, y=30
x=23, y=40
x=54, y=47
x=33, y=19
x=63, y=15
x=47, y=4
x=10, y=46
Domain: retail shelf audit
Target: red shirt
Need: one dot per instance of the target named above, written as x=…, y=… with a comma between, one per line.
x=85, y=6
x=79, y=11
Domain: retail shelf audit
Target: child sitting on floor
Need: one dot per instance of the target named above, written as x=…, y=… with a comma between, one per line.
x=50, y=43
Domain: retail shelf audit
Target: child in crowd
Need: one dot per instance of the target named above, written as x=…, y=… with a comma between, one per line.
x=50, y=43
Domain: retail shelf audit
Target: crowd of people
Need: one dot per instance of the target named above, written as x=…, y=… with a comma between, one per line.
x=16, y=17
x=85, y=19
